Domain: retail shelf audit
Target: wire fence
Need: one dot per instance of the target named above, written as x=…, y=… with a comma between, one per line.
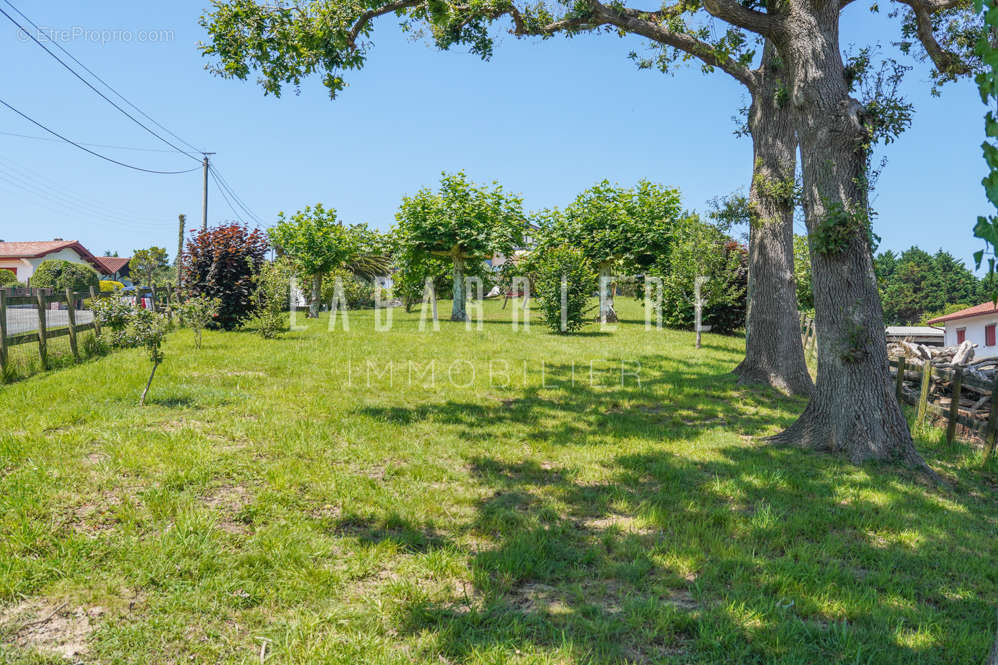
x=41, y=329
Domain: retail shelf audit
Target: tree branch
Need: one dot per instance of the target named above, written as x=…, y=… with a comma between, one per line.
x=364, y=19
x=945, y=61
x=735, y=13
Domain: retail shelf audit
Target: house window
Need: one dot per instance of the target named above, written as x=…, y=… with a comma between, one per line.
x=989, y=335
x=961, y=335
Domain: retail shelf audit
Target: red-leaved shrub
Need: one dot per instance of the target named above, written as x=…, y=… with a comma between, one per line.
x=222, y=262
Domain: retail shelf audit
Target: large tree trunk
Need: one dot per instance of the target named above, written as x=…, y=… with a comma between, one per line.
x=607, y=314
x=854, y=409
x=774, y=353
x=459, y=311
x=315, y=299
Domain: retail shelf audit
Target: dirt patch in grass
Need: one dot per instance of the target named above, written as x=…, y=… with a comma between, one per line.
x=617, y=522
x=52, y=628
x=608, y=595
x=229, y=501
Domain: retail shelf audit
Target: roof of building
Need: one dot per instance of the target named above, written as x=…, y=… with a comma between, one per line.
x=914, y=331
x=38, y=249
x=977, y=310
x=112, y=264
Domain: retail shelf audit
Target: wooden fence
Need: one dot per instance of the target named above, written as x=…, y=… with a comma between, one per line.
x=41, y=301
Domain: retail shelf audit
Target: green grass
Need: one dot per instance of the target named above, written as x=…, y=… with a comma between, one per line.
x=286, y=493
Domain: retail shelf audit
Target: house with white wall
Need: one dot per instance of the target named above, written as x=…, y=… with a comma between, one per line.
x=978, y=324
x=23, y=258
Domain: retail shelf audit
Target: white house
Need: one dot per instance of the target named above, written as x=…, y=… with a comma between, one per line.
x=978, y=324
x=23, y=258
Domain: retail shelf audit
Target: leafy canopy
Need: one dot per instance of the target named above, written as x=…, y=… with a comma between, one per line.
x=462, y=219
x=613, y=224
x=314, y=240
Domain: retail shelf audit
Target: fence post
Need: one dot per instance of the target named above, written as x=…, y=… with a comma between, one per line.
x=954, y=407
x=899, y=389
x=93, y=301
x=3, y=334
x=71, y=315
x=993, y=420
x=923, y=397
x=43, y=354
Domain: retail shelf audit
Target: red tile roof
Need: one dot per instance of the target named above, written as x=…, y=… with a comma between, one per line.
x=34, y=250
x=111, y=264
x=977, y=310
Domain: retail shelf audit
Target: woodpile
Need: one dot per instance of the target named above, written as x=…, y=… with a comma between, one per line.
x=976, y=380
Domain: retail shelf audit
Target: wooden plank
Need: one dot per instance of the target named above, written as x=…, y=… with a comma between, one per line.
x=954, y=408
x=3, y=334
x=32, y=337
x=923, y=397
x=42, y=345
x=71, y=316
x=899, y=387
x=93, y=299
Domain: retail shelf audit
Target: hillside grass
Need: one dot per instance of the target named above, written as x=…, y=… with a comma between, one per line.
x=298, y=500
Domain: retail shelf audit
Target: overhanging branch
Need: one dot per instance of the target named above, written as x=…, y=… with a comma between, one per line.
x=945, y=61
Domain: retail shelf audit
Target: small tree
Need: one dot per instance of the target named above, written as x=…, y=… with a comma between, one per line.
x=133, y=327
x=197, y=313
x=61, y=275
x=8, y=279
x=149, y=265
x=222, y=262
x=617, y=228
x=565, y=281
x=463, y=223
x=270, y=298
x=702, y=250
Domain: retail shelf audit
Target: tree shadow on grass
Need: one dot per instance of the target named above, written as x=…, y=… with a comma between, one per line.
x=755, y=555
x=395, y=529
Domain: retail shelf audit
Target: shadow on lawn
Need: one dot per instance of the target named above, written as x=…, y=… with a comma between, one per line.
x=755, y=554
x=572, y=405
x=766, y=555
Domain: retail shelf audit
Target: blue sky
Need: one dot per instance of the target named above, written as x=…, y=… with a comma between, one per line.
x=545, y=118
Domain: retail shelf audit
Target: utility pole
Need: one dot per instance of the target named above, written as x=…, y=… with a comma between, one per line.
x=180, y=249
x=204, y=192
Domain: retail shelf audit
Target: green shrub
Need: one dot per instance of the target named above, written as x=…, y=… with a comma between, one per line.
x=197, y=313
x=110, y=286
x=8, y=279
x=569, y=265
x=358, y=292
x=61, y=275
x=270, y=299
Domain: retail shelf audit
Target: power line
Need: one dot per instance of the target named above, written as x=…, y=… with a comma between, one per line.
x=105, y=83
x=222, y=192
x=92, y=145
x=220, y=178
x=95, y=154
x=88, y=84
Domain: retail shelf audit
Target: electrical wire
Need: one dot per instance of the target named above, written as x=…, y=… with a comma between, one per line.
x=92, y=145
x=89, y=85
x=102, y=81
x=95, y=154
x=222, y=192
x=224, y=183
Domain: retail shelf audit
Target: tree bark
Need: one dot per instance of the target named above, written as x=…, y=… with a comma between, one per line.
x=607, y=314
x=774, y=353
x=315, y=298
x=459, y=310
x=142, y=400
x=853, y=410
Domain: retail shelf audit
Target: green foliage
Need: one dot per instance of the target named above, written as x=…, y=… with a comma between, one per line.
x=112, y=313
x=571, y=265
x=197, y=313
x=838, y=227
x=61, y=275
x=700, y=249
x=270, y=299
x=461, y=219
x=987, y=82
x=630, y=228
x=802, y=274
x=916, y=283
x=150, y=266
x=357, y=291
x=314, y=240
x=8, y=279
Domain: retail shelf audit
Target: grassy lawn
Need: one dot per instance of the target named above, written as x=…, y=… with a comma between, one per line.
x=361, y=497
